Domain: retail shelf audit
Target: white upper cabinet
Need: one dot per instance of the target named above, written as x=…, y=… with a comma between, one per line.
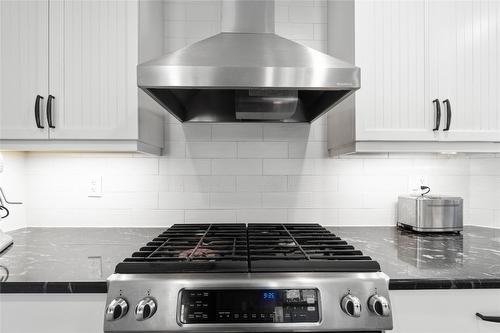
x=390, y=49
x=430, y=76
x=23, y=68
x=464, y=48
x=81, y=58
x=93, y=57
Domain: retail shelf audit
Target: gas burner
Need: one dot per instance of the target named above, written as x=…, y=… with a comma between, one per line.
x=238, y=248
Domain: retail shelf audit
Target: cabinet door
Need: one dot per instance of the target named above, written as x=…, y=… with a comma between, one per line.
x=464, y=48
x=93, y=58
x=390, y=48
x=444, y=311
x=23, y=67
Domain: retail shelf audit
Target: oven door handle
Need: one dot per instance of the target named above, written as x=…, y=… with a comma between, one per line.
x=493, y=319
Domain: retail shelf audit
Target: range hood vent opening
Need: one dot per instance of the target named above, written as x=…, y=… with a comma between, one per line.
x=265, y=104
x=247, y=73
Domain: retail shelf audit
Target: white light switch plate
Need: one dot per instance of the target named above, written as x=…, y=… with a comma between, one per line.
x=95, y=186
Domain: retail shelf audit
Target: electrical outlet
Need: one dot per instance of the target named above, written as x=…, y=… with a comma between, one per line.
x=95, y=186
x=417, y=181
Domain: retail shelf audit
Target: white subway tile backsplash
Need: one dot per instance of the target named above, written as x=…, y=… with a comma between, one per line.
x=321, y=216
x=210, y=216
x=201, y=30
x=287, y=199
x=237, y=167
x=373, y=183
x=237, y=132
x=209, y=183
x=484, y=183
x=211, y=150
x=124, y=200
x=131, y=166
x=338, y=166
x=296, y=30
x=485, y=166
x=337, y=200
x=261, y=184
x=235, y=200
x=174, y=149
x=450, y=185
x=451, y=166
x=380, y=200
x=342, y=191
x=184, y=200
x=116, y=183
x=390, y=167
x=175, y=29
x=320, y=32
x=54, y=182
x=185, y=166
x=485, y=200
x=307, y=14
x=484, y=217
x=307, y=149
x=174, y=11
x=206, y=10
x=281, y=13
x=261, y=215
x=312, y=183
x=171, y=183
x=288, y=167
x=262, y=150
x=366, y=217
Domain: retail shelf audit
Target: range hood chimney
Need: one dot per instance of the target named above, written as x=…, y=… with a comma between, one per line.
x=248, y=16
x=247, y=73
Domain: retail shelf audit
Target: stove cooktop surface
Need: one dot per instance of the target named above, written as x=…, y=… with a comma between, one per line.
x=241, y=248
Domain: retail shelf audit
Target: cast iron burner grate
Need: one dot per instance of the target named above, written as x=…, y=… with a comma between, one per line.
x=216, y=248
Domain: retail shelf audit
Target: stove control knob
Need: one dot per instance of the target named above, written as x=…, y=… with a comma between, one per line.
x=351, y=305
x=379, y=305
x=116, y=309
x=145, y=309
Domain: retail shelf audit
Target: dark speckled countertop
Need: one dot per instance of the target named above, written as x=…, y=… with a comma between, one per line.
x=78, y=260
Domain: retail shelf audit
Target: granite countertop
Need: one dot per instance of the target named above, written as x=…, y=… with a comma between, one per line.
x=78, y=260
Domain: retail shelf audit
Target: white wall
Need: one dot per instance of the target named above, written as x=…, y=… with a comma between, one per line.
x=12, y=181
x=485, y=192
x=250, y=172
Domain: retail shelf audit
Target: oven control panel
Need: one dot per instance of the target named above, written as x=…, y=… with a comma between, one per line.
x=249, y=306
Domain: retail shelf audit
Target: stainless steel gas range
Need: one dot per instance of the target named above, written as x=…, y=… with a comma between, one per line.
x=248, y=278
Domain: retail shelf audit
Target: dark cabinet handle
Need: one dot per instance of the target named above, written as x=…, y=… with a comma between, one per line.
x=438, y=114
x=37, y=111
x=488, y=318
x=49, y=111
x=446, y=102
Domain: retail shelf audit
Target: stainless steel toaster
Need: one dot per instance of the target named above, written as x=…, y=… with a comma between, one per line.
x=430, y=213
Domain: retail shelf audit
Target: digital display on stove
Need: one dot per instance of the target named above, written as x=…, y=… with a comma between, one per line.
x=249, y=306
x=269, y=295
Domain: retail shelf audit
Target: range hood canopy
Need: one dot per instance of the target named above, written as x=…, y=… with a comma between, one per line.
x=247, y=73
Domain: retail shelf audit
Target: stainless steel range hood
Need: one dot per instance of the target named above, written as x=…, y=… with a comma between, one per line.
x=247, y=73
